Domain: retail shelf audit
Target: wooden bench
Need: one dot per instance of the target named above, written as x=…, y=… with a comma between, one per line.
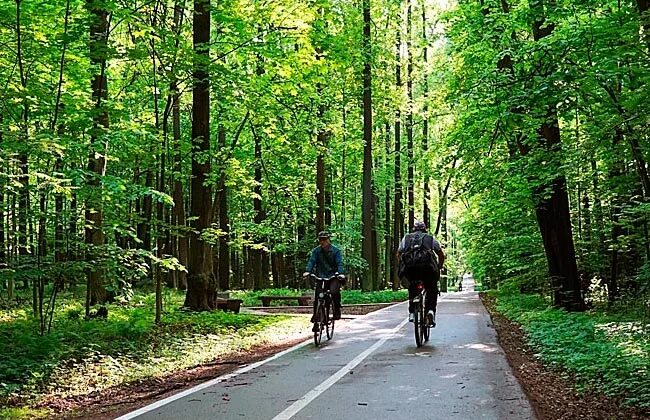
x=232, y=305
x=302, y=300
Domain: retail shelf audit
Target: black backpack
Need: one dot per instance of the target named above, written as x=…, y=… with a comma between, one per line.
x=415, y=255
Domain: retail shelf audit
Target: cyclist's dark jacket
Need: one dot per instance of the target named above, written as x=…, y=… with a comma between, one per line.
x=428, y=242
x=327, y=263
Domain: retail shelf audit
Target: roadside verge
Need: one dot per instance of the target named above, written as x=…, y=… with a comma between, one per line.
x=551, y=392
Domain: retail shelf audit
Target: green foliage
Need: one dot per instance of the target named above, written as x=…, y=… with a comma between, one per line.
x=604, y=353
x=23, y=413
x=251, y=298
x=80, y=355
x=590, y=71
x=378, y=296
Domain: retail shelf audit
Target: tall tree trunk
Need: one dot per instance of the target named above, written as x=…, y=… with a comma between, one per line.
x=94, y=234
x=236, y=282
x=260, y=257
x=180, y=249
x=640, y=163
x=343, y=173
x=398, y=220
x=59, y=250
x=376, y=261
x=3, y=242
x=321, y=146
x=553, y=213
x=644, y=11
x=369, y=245
x=201, y=285
x=147, y=208
x=409, y=121
x=615, y=174
x=42, y=253
x=23, y=163
x=72, y=234
x=224, y=221
x=160, y=175
x=328, y=196
x=320, y=188
x=441, y=222
x=12, y=242
x=179, y=202
x=598, y=214
x=586, y=217
x=249, y=283
x=426, y=213
x=388, y=259
x=59, y=243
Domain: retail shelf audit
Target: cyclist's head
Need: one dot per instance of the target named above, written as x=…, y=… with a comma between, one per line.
x=324, y=237
x=419, y=226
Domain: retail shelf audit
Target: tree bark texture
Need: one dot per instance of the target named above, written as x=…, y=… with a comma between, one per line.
x=553, y=212
x=410, y=177
x=426, y=213
x=369, y=244
x=201, y=285
x=94, y=234
x=398, y=218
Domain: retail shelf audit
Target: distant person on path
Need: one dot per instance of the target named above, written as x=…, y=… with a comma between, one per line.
x=417, y=254
x=327, y=261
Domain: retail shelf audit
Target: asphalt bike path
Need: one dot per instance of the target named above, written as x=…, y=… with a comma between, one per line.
x=371, y=369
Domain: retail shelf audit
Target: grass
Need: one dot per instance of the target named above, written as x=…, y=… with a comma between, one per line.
x=348, y=297
x=81, y=356
x=604, y=352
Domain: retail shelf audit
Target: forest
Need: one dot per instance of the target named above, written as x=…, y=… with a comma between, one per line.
x=176, y=149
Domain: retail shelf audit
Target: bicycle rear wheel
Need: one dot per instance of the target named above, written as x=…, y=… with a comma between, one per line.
x=423, y=321
x=417, y=320
x=329, y=326
x=320, y=319
x=426, y=326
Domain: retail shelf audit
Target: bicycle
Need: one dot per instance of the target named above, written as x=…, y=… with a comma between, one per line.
x=420, y=320
x=323, y=317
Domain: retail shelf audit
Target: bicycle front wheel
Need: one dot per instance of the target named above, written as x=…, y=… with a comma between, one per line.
x=329, y=326
x=320, y=320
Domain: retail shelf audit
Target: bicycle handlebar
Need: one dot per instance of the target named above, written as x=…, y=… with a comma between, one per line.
x=316, y=278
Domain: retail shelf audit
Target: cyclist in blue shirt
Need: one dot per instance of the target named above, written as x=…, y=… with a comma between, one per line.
x=326, y=261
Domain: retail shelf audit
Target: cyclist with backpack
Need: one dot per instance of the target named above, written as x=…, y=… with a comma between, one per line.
x=327, y=261
x=417, y=261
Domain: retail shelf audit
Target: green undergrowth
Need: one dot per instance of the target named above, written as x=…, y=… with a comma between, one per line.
x=604, y=352
x=252, y=297
x=348, y=297
x=81, y=356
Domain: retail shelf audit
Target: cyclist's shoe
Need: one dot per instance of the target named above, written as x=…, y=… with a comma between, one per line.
x=411, y=316
x=337, y=314
x=431, y=318
x=315, y=328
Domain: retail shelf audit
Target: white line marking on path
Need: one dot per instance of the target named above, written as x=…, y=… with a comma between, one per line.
x=211, y=382
x=294, y=408
x=222, y=378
